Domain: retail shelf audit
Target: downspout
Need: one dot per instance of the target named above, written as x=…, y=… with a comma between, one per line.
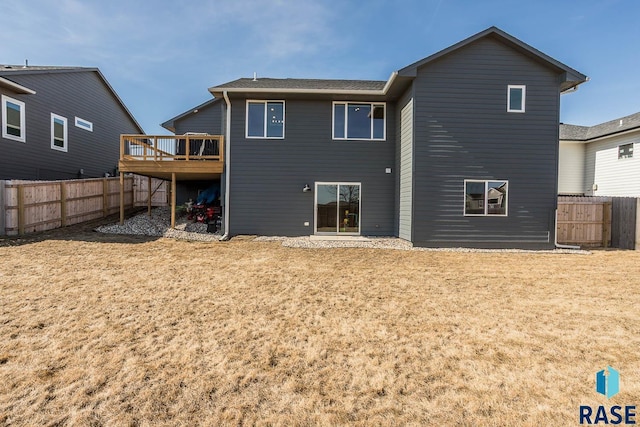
x=227, y=165
x=555, y=241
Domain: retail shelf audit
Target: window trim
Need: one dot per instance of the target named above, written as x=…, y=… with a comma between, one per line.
x=628, y=156
x=77, y=121
x=523, y=103
x=346, y=121
x=23, y=125
x=265, y=102
x=485, y=201
x=65, y=133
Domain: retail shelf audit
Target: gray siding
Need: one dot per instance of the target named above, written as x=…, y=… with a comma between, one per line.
x=462, y=131
x=68, y=94
x=208, y=119
x=406, y=167
x=267, y=175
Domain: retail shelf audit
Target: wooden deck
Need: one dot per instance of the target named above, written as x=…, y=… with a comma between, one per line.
x=174, y=158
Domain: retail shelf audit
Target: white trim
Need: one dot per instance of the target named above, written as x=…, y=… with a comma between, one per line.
x=265, y=102
x=79, y=122
x=65, y=140
x=485, y=201
x=315, y=209
x=346, y=117
x=305, y=91
x=23, y=125
x=523, y=102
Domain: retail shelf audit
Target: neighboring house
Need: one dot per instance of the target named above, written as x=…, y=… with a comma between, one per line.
x=601, y=160
x=457, y=149
x=60, y=123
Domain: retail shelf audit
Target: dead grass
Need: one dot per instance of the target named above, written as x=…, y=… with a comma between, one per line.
x=177, y=333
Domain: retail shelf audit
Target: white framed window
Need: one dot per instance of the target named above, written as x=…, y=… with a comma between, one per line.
x=13, y=122
x=83, y=124
x=265, y=119
x=486, y=197
x=58, y=133
x=359, y=121
x=625, y=151
x=516, y=98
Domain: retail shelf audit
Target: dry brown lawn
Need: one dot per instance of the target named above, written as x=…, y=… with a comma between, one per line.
x=123, y=331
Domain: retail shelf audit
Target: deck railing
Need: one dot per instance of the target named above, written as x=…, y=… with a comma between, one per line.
x=170, y=147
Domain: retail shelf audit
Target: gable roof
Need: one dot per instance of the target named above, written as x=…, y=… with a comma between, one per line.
x=398, y=79
x=588, y=133
x=571, y=78
x=170, y=124
x=16, y=70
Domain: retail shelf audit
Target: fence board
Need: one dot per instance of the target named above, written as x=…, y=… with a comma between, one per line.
x=584, y=221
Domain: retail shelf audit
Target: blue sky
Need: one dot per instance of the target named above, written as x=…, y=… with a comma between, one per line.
x=161, y=56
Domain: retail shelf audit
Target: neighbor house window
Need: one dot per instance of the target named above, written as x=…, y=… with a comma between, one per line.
x=84, y=124
x=484, y=198
x=265, y=119
x=359, y=120
x=58, y=132
x=516, y=95
x=625, y=151
x=13, y=124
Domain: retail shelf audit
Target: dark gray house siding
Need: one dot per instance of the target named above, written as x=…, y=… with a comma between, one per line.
x=463, y=131
x=207, y=119
x=267, y=175
x=68, y=94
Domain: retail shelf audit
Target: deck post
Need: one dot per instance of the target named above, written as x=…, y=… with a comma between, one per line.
x=173, y=200
x=121, y=198
x=149, y=193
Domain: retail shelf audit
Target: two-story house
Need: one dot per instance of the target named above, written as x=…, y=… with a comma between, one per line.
x=457, y=149
x=59, y=123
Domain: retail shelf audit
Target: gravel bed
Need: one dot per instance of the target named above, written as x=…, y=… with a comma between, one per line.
x=159, y=225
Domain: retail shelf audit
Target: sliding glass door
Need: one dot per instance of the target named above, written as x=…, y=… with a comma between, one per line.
x=337, y=208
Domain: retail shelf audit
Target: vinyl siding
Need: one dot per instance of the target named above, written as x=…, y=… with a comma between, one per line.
x=613, y=176
x=208, y=119
x=463, y=131
x=571, y=168
x=406, y=167
x=81, y=94
x=267, y=175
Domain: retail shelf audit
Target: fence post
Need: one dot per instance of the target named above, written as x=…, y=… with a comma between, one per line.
x=3, y=225
x=105, y=197
x=121, y=198
x=63, y=204
x=20, y=209
x=638, y=224
x=606, y=223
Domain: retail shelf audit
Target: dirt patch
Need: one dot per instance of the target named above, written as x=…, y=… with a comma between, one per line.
x=98, y=329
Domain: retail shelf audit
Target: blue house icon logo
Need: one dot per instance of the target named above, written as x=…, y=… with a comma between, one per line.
x=608, y=383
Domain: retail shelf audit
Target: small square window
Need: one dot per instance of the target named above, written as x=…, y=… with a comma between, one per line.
x=516, y=95
x=625, y=151
x=265, y=119
x=13, y=122
x=58, y=132
x=485, y=198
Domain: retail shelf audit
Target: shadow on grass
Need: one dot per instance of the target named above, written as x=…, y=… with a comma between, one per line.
x=83, y=232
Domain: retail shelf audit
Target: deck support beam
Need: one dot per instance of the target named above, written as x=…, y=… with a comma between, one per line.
x=121, y=198
x=173, y=200
x=149, y=193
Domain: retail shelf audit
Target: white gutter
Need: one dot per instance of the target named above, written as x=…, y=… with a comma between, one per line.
x=555, y=241
x=227, y=165
x=17, y=87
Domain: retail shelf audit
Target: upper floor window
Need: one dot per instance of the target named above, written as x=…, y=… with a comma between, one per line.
x=625, y=151
x=58, y=132
x=265, y=119
x=13, y=123
x=84, y=124
x=484, y=198
x=516, y=95
x=359, y=120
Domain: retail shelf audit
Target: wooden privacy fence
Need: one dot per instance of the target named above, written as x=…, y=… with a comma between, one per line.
x=29, y=206
x=598, y=221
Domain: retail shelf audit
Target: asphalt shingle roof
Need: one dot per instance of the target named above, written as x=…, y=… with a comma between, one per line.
x=303, y=84
x=586, y=133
